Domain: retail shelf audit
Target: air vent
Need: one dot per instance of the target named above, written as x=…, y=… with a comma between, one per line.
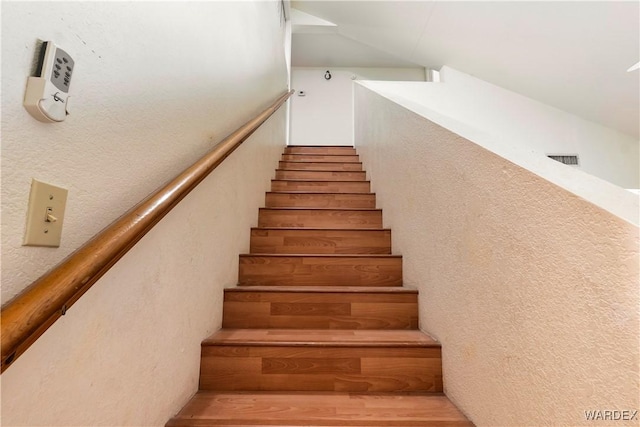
x=567, y=159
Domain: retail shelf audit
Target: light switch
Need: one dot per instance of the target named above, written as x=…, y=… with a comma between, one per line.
x=46, y=214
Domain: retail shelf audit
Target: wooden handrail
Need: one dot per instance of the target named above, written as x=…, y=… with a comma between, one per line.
x=31, y=313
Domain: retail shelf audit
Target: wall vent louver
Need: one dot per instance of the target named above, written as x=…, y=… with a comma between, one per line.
x=567, y=159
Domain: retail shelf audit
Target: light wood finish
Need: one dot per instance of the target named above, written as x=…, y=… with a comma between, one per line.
x=320, y=158
x=380, y=339
x=320, y=166
x=324, y=200
x=320, y=360
x=27, y=316
x=320, y=217
x=320, y=241
x=322, y=150
x=300, y=308
x=320, y=175
x=287, y=409
x=320, y=270
x=321, y=186
x=327, y=289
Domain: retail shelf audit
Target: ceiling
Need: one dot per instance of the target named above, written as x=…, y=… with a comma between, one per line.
x=572, y=55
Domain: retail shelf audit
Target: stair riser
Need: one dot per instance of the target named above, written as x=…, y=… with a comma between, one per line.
x=275, y=200
x=343, y=151
x=321, y=175
x=323, y=166
x=290, y=368
x=289, y=310
x=322, y=186
x=320, y=158
x=266, y=270
x=325, y=218
x=320, y=241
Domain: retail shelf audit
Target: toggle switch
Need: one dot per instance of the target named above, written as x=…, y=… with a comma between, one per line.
x=45, y=215
x=49, y=216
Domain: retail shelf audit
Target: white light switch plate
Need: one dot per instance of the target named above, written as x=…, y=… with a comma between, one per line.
x=46, y=215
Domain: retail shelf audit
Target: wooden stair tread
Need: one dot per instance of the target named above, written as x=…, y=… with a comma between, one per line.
x=320, y=192
x=308, y=180
x=336, y=256
x=308, y=170
x=320, y=229
x=298, y=208
x=326, y=166
x=339, y=171
x=311, y=162
x=331, y=158
x=320, y=150
x=321, y=175
x=326, y=181
x=326, y=289
x=327, y=193
x=321, y=338
x=209, y=408
x=319, y=146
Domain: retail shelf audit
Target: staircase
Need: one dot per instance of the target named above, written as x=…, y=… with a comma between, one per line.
x=320, y=331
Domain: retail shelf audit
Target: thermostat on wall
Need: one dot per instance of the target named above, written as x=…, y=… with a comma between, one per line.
x=47, y=95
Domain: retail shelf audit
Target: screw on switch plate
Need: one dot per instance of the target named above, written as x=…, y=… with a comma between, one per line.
x=46, y=214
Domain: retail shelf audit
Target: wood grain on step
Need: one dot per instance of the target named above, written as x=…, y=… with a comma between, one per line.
x=324, y=200
x=315, y=310
x=318, y=270
x=331, y=158
x=321, y=337
x=325, y=150
x=245, y=359
x=299, y=349
x=322, y=369
x=319, y=409
x=321, y=186
x=320, y=217
x=308, y=309
x=320, y=315
x=311, y=365
x=293, y=293
x=320, y=241
x=321, y=175
x=320, y=166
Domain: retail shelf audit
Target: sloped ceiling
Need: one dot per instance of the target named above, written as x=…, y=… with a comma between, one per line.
x=572, y=55
x=318, y=43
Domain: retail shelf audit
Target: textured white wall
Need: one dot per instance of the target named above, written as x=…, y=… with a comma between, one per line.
x=542, y=129
x=155, y=86
x=532, y=290
x=325, y=115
